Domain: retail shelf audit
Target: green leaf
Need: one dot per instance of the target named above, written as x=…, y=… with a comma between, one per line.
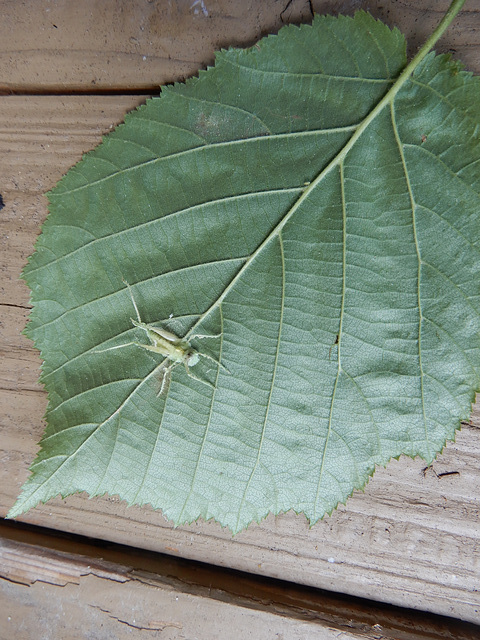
x=313, y=203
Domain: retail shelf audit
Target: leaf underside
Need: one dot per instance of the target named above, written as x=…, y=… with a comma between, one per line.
x=335, y=255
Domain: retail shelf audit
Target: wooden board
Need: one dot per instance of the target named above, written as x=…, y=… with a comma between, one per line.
x=113, y=45
x=125, y=593
x=58, y=595
x=411, y=539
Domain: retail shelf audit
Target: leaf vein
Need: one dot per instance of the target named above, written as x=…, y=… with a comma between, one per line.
x=419, y=269
x=170, y=126
x=320, y=75
x=179, y=154
x=229, y=106
x=445, y=166
x=185, y=269
x=272, y=383
x=208, y=424
x=339, y=336
x=101, y=386
x=94, y=431
x=155, y=221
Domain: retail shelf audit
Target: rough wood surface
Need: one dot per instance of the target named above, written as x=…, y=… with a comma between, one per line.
x=68, y=599
x=97, y=608
x=139, y=587
x=411, y=539
x=118, y=44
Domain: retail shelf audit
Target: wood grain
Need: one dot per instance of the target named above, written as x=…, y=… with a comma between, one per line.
x=57, y=595
x=141, y=586
x=115, y=44
x=92, y=46
x=413, y=537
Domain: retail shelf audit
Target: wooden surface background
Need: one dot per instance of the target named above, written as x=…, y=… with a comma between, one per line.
x=69, y=71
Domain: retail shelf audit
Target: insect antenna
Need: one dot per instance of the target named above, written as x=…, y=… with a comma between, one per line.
x=133, y=299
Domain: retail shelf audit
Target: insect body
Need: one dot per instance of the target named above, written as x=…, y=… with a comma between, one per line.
x=175, y=350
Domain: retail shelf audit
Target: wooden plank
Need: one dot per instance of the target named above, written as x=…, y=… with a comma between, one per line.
x=123, y=580
x=98, y=609
x=110, y=45
x=89, y=45
x=412, y=538
x=59, y=595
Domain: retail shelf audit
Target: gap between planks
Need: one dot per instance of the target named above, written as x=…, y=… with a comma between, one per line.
x=32, y=554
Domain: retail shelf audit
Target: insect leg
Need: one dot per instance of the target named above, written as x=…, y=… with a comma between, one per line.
x=163, y=333
x=203, y=335
x=150, y=347
x=166, y=377
x=119, y=346
x=204, y=355
x=190, y=374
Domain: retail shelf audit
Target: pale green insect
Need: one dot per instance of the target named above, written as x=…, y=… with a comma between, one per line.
x=174, y=349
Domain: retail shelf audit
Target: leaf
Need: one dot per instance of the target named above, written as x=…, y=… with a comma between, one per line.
x=314, y=203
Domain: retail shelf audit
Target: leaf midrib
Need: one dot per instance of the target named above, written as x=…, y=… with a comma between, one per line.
x=387, y=100
x=276, y=231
